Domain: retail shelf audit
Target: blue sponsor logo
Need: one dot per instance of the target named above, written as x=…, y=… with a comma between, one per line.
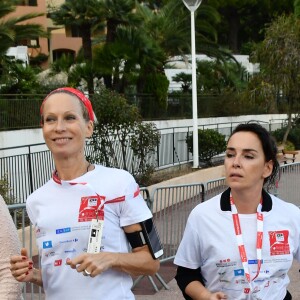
x=63, y=230
x=70, y=251
x=47, y=244
x=68, y=241
x=253, y=261
x=239, y=272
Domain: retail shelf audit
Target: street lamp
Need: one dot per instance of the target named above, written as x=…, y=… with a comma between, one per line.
x=192, y=5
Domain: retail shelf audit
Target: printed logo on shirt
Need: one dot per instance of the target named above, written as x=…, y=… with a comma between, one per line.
x=279, y=242
x=92, y=202
x=89, y=206
x=39, y=233
x=63, y=230
x=254, y=261
x=69, y=241
x=58, y=263
x=50, y=253
x=47, y=244
x=84, y=227
x=226, y=263
x=70, y=250
x=239, y=272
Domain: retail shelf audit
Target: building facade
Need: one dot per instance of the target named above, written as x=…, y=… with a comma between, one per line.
x=59, y=40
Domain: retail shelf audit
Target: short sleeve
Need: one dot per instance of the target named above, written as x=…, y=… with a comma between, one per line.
x=189, y=253
x=134, y=209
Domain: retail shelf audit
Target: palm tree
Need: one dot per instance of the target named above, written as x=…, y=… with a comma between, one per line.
x=11, y=29
x=87, y=17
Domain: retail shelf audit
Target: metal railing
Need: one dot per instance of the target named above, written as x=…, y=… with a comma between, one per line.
x=31, y=167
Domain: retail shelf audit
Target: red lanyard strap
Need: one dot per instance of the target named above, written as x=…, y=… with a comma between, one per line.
x=240, y=242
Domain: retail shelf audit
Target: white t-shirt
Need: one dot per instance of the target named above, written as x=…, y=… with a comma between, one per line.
x=60, y=214
x=209, y=242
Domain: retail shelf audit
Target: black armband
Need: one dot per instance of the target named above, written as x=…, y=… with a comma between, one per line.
x=147, y=236
x=136, y=239
x=185, y=276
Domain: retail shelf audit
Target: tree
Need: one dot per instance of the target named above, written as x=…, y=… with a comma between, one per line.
x=13, y=29
x=279, y=60
x=87, y=17
x=243, y=21
x=18, y=79
x=120, y=134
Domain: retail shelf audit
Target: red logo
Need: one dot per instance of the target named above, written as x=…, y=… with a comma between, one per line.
x=246, y=290
x=279, y=242
x=57, y=262
x=89, y=206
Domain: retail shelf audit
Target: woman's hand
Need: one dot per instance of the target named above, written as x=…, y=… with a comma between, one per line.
x=218, y=296
x=197, y=291
x=21, y=267
x=93, y=264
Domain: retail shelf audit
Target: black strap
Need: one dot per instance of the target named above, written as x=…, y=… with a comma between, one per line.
x=136, y=239
x=288, y=296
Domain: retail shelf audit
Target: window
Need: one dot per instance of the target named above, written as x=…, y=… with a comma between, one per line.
x=28, y=3
x=30, y=43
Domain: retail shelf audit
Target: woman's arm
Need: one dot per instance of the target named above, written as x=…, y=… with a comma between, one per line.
x=192, y=285
x=10, y=244
x=138, y=262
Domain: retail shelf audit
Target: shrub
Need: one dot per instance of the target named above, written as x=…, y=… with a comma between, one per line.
x=5, y=190
x=120, y=135
x=210, y=143
x=293, y=136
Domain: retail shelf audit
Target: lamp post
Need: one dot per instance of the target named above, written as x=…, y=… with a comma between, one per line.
x=192, y=5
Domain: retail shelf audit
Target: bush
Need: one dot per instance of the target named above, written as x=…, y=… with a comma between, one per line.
x=210, y=143
x=5, y=190
x=293, y=136
x=121, y=139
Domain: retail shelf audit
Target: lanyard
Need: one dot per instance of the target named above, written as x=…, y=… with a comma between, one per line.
x=240, y=242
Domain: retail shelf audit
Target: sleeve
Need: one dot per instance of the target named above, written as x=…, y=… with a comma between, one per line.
x=10, y=245
x=184, y=276
x=297, y=242
x=134, y=208
x=189, y=251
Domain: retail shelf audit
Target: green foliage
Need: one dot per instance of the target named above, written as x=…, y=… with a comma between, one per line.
x=210, y=143
x=279, y=59
x=38, y=60
x=157, y=85
x=16, y=29
x=217, y=77
x=5, y=190
x=18, y=79
x=120, y=133
x=185, y=79
x=293, y=136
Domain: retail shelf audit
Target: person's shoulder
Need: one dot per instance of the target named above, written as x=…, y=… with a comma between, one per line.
x=109, y=171
x=281, y=205
x=208, y=206
x=45, y=188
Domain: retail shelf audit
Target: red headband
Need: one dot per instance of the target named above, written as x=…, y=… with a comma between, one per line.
x=87, y=103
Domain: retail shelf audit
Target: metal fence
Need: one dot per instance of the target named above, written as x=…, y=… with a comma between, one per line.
x=28, y=167
x=22, y=111
x=171, y=206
